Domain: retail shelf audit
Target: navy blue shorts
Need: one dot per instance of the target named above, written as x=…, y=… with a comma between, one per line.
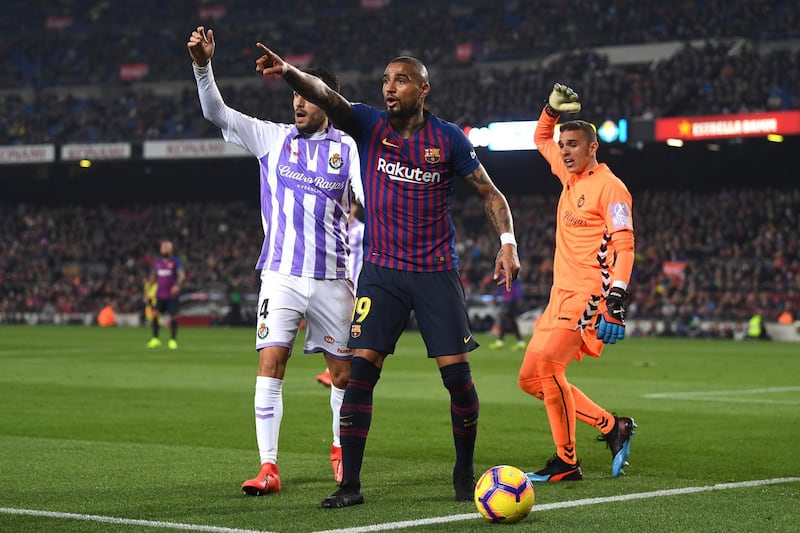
x=167, y=306
x=384, y=302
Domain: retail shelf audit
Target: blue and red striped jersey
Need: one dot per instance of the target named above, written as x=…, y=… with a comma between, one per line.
x=408, y=184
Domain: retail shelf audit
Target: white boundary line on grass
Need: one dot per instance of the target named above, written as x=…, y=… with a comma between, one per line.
x=389, y=526
x=125, y=521
x=563, y=505
x=726, y=395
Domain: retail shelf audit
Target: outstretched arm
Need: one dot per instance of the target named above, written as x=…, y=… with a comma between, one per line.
x=201, y=47
x=506, y=266
x=313, y=89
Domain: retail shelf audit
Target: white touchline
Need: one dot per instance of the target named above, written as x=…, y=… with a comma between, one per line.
x=724, y=392
x=125, y=521
x=562, y=505
x=727, y=395
x=389, y=526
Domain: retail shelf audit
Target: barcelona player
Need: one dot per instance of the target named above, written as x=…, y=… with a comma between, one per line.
x=167, y=274
x=591, y=271
x=410, y=160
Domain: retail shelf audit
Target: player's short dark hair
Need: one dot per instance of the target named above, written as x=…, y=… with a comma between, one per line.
x=414, y=62
x=588, y=129
x=358, y=211
x=325, y=75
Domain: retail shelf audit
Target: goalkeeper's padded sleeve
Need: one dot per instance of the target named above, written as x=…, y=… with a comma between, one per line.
x=623, y=247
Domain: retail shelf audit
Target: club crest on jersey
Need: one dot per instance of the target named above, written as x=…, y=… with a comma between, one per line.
x=335, y=161
x=263, y=331
x=433, y=155
x=355, y=331
x=581, y=200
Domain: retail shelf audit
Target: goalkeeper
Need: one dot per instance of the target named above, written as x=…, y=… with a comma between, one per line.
x=591, y=270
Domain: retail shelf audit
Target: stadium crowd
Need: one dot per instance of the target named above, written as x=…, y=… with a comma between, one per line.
x=704, y=79
x=63, y=85
x=77, y=95
x=694, y=260
x=66, y=42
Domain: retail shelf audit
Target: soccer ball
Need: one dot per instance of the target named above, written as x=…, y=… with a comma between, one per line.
x=504, y=495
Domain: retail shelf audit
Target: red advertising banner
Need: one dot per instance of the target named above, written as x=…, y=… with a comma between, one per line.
x=464, y=52
x=299, y=60
x=374, y=4
x=674, y=269
x=211, y=12
x=58, y=22
x=727, y=126
x=133, y=71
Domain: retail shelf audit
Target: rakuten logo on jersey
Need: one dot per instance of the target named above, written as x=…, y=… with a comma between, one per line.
x=398, y=172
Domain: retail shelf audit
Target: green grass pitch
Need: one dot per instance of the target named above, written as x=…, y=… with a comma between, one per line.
x=92, y=423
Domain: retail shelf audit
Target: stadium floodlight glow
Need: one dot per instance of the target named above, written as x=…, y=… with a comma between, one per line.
x=517, y=135
x=775, y=138
x=675, y=143
x=479, y=137
x=505, y=136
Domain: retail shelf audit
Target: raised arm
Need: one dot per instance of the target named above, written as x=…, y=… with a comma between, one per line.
x=313, y=89
x=506, y=267
x=201, y=47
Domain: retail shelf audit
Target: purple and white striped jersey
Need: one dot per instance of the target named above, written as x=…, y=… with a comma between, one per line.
x=306, y=183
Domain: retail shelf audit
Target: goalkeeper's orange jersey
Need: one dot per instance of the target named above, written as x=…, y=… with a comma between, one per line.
x=592, y=206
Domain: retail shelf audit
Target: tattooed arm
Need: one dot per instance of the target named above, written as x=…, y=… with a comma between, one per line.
x=506, y=266
x=312, y=88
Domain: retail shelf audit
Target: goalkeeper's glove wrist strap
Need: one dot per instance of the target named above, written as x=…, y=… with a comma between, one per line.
x=551, y=111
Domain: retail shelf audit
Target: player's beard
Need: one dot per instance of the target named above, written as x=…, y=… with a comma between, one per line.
x=400, y=112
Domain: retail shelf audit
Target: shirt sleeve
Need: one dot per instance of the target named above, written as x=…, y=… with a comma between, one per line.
x=254, y=135
x=543, y=138
x=619, y=221
x=618, y=210
x=363, y=115
x=464, y=158
x=356, y=184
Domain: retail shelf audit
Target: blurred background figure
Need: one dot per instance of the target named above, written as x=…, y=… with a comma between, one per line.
x=511, y=303
x=168, y=275
x=106, y=317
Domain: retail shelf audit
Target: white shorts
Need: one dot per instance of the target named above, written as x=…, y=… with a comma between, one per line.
x=325, y=304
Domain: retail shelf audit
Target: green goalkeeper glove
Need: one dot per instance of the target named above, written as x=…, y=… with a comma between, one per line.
x=563, y=99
